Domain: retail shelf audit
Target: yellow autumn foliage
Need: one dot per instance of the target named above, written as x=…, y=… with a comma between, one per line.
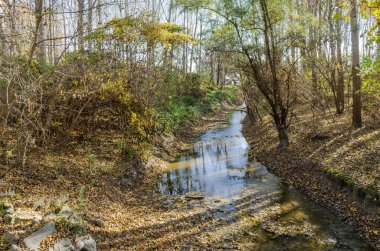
x=132, y=30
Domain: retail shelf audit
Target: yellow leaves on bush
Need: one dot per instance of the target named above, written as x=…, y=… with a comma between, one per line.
x=8, y=154
x=117, y=88
x=372, y=8
x=137, y=124
x=132, y=30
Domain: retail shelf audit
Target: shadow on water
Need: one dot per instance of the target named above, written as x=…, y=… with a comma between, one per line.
x=281, y=218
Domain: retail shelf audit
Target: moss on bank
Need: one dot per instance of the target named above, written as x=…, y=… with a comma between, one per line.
x=369, y=192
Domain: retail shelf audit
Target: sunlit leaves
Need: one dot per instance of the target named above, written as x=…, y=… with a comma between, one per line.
x=370, y=71
x=133, y=30
x=372, y=8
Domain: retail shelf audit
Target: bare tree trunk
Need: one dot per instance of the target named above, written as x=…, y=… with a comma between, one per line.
x=11, y=13
x=40, y=28
x=218, y=70
x=192, y=46
x=313, y=54
x=38, y=34
x=184, y=62
x=80, y=26
x=356, y=81
x=212, y=79
x=332, y=65
x=51, y=34
x=340, y=86
x=2, y=39
x=200, y=45
x=89, y=21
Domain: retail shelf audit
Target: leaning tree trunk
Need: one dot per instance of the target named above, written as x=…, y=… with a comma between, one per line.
x=38, y=36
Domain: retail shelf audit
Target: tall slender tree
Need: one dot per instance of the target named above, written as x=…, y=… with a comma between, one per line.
x=80, y=25
x=356, y=81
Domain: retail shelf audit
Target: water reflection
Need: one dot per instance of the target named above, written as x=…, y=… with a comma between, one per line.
x=282, y=218
x=214, y=165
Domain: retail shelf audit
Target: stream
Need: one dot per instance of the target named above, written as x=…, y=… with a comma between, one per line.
x=276, y=216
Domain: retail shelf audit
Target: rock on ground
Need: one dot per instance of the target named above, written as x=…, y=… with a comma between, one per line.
x=39, y=204
x=34, y=240
x=85, y=243
x=66, y=212
x=22, y=216
x=8, y=219
x=63, y=245
x=10, y=237
x=9, y=209
x=15, y=248
x=49, y=217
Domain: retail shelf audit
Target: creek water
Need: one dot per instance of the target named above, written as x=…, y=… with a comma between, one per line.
x=282, y=218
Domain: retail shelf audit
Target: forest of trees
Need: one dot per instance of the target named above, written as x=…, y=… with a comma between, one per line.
x=98, y=96
x=64, y=62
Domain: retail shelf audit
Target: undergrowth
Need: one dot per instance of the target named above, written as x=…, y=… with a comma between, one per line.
x=177, y=111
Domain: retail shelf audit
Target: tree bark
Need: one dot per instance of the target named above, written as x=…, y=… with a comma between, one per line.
x=89, y=21
x=313, y=54
x=356, y=81
x=38, y=34
x=2, y=39
x=332, y=65
x=40, y=25
x=80, y=26
x=283, y=137
x=340, y=85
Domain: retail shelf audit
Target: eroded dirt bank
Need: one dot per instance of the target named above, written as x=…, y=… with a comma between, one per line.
x=330, y=162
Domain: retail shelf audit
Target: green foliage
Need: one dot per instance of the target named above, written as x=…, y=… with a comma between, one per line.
x=372, y=8
x=178, y=111
x=3, y=207
x=370, y=191
x=370, y=69
x=370, y=72
x=228, y=94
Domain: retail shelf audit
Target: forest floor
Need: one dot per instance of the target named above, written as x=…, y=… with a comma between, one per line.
x=333, y=163
x=123, y=210
x=120, y=209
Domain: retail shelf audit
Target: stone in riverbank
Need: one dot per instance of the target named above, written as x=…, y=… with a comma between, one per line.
x=15, y=248
x=9, y=209
x=63, y=245
x=27, y=216
x=34, y=240
x=10, y=237
x=86, y=243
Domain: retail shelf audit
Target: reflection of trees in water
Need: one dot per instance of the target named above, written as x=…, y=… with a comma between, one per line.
x=196, y=168
x=178, y=181
x=169, y=183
